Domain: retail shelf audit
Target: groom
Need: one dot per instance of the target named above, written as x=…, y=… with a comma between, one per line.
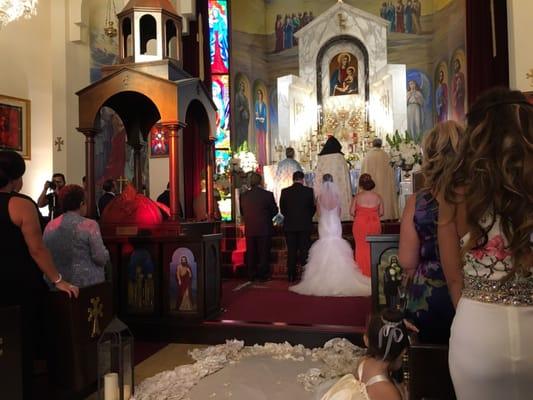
x=297, y=204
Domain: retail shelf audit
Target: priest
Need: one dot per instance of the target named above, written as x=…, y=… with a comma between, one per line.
x=331, y=161
x=377, y=164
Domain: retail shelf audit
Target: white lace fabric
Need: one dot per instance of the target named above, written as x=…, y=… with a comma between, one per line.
x=337, y=358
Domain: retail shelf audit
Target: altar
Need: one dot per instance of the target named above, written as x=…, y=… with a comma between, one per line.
x=344, y=88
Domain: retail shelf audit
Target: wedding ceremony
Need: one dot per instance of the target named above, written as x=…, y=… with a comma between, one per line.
x=266, y=199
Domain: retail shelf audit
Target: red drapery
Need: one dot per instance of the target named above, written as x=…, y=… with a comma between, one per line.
x=194, y=151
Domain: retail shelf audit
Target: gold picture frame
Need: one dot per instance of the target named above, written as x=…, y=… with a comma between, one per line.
x=15, y=126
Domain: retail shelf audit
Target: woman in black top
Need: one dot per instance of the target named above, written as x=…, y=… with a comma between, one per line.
x=24, y=258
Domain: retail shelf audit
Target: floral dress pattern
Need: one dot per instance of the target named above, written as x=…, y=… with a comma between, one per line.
x=428, y=303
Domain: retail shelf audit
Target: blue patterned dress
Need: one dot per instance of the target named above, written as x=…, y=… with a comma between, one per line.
x=428, y=304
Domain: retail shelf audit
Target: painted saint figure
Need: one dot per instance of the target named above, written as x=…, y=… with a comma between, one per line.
x=458, y=92
x=400, y=9
x=184, y=282
x=441, y=99
x=343, y=79
x=415, y=111
x=288, y=32
x=417, y=10
x=242, y=116
x=260, y=128
x=278, y=27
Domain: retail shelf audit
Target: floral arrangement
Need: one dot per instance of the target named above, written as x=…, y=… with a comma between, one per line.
x=404, y=152
x=243, y=160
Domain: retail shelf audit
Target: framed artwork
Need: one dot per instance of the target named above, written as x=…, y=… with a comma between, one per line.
x=529, y=96
x=343, y=74
x=183, y=281
x=15, y=125
x=158, y=143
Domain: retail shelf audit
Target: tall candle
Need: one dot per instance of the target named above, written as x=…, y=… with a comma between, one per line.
x=111, y=386
x=127, y=392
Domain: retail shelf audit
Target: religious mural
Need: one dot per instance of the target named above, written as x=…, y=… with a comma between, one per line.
x=422, y=34
x=441, y=92
x=458, y=85
x=419, y=107
x=140, y=281
x=158, y=142
x=183, y=281
x=261, y=139
x=103, y=48
x=343, y=75
x=241, y=112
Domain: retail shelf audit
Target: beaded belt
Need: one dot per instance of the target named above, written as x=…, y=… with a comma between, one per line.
x=513, y=292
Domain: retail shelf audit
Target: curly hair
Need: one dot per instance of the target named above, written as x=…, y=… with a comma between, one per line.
x=494, y=167
x=439, y=146
x=366, y=182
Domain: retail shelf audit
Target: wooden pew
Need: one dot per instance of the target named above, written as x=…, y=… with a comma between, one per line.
x=428, y=375
x=73, y=329
x=10, y=353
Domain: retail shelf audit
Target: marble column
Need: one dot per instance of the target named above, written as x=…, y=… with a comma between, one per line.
x=90, y=200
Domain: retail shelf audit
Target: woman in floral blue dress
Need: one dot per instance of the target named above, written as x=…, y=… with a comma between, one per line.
x=429, y=305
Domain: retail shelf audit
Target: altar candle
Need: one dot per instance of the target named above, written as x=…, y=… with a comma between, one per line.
x=111, y=386
x=127, y=392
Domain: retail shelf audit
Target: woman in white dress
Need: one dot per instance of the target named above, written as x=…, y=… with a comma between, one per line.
x=489, y=205
x=331, y=269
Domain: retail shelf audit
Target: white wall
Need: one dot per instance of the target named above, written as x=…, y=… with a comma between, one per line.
x=26, y=72
x=520, y=28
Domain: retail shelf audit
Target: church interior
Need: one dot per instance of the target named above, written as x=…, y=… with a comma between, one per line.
x=144, y=129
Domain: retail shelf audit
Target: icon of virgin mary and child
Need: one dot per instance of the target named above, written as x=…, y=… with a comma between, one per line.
x=343, y=75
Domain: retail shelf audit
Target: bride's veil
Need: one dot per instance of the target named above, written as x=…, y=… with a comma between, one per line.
x=328, y=195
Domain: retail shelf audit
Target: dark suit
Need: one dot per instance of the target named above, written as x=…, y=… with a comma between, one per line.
x=258, y=207
x=297, y=204
x=104, y=201
x=164, y=198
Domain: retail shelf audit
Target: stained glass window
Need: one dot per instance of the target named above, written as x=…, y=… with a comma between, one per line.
x=218, y=36
x=219, y=56
x=220, y=90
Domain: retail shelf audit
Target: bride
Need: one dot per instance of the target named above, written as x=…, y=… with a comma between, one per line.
x=331, y=269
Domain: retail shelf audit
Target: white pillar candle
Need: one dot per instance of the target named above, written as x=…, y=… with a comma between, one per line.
x=127, y=392
x=111, y=386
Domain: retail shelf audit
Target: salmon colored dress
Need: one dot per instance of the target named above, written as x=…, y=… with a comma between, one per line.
x=366, y=222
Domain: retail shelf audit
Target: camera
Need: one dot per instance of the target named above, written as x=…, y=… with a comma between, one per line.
x=52, y=185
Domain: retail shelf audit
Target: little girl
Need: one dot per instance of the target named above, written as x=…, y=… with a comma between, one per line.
x=387, y=340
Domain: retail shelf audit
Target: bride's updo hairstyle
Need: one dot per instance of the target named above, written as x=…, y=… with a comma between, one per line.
x=366, y=182
x=495, y=168
x=387, y=335
x=327, y=178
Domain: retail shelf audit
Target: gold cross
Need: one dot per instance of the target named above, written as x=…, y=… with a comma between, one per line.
x=342, y=20
x=122, y=181
x=59, y=142
x=95, y=312
x=529, y=75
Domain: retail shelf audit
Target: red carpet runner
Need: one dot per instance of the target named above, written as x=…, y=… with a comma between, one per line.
x=272, y=302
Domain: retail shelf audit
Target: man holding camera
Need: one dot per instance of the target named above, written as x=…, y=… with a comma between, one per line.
x=51, y=198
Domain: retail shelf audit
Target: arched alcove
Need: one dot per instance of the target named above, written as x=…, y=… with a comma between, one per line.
x=195, y=157
x=171, y=41
x=148, y=35
x=127, y=38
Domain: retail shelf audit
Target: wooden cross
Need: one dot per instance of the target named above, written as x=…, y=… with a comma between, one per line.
x=342, y=20
x=529, y=75
x=95, y=312
x=59, y=142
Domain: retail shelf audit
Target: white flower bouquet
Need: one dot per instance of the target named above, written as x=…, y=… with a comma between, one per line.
x=404, y=153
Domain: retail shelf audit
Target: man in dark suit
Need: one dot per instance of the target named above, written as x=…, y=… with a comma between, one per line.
x=164, y=198
x=297, y=204
x=258, y=207
x=109, y=194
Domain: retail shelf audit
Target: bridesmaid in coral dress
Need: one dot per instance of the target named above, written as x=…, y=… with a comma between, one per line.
x=366, y=209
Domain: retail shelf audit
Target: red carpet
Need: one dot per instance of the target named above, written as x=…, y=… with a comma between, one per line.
x=272, y=302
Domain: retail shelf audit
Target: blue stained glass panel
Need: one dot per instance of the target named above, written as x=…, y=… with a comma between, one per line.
x=220, y=93
x=218, y=36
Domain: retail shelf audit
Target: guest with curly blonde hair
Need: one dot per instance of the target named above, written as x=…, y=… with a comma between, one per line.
x=485, y=228
x=428, y=302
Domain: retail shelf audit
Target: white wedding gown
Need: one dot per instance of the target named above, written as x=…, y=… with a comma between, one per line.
x=331, y=269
